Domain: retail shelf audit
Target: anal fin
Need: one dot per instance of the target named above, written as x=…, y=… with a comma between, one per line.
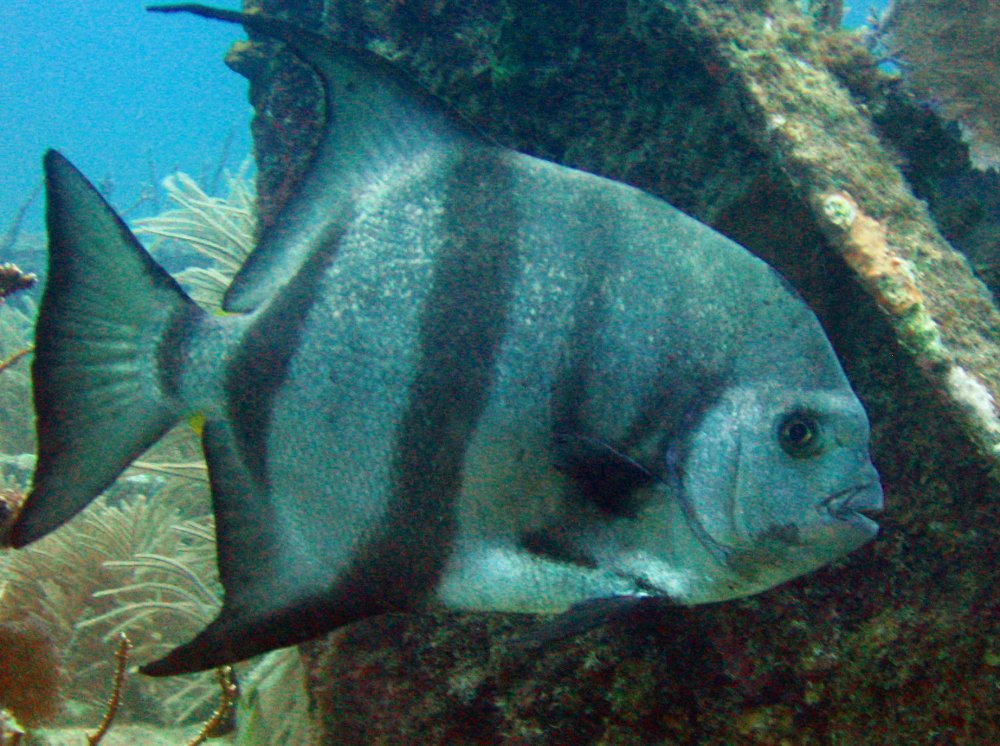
x=279, y=589
x=263, y=607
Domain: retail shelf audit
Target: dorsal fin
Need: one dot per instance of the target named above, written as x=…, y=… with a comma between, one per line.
x=375, y=119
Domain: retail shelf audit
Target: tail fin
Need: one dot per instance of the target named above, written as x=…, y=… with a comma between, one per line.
x=106, y=353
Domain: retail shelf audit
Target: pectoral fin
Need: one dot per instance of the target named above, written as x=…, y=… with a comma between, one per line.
x=606, y=477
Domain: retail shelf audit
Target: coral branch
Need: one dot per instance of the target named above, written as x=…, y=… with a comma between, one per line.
x=950, y=61
x=229, y=690
x=121, y=661
x=4, y=364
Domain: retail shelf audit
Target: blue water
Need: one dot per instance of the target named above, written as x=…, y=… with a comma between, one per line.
x=127, y=95
x=120, y=91
x=856, y=13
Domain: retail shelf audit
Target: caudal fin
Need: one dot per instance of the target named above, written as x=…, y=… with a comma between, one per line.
x=106, y=353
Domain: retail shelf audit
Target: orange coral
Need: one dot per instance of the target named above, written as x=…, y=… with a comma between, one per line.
x=29, y=672
x=861, y=240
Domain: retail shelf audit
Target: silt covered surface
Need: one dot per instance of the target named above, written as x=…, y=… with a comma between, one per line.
x=787, y=140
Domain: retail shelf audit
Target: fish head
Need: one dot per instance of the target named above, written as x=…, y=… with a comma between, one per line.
x=777, y=481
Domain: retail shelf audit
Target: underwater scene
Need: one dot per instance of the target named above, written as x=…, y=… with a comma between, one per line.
x=523, y=373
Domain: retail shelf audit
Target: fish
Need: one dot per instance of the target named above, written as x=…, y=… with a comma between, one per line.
x=450, y=375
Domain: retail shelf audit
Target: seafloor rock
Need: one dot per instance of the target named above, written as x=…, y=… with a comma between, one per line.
x=743, y=115
x=950, y=53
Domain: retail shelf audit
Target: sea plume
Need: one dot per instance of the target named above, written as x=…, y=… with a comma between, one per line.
x=221, y=229
x=129, y=563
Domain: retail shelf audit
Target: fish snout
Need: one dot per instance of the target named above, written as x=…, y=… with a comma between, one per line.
x=854, y=505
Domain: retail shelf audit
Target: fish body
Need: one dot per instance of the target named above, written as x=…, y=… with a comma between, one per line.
x=456, y=375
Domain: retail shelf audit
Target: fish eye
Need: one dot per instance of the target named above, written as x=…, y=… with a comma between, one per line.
x=800, y=434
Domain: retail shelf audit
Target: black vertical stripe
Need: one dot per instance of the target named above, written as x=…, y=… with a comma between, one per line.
x=461, y=327
x=599, y=483
x=260, y=367
x=174, y=346
x=658, y=410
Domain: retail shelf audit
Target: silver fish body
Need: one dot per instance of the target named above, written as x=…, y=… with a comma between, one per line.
x=455, y=374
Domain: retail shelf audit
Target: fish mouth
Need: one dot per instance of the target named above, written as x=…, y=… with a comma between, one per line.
x=854, y=504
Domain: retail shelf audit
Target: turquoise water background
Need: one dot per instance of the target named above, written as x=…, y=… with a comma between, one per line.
x=120, y=91
x=127, y=95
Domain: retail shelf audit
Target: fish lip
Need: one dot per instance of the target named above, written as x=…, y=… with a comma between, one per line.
x=854, y=504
